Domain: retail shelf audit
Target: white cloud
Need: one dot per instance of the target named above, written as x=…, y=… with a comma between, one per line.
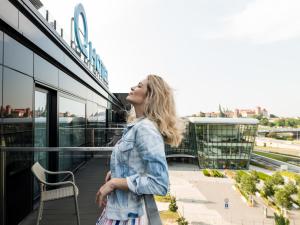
x=263, y=21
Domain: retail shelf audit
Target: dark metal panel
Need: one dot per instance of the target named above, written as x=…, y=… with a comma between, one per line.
x=1, y=47
x=45, y=72
x=69, y=84
x=34, y=34
x=17, y=56
x=9, y=13
x=72, y=66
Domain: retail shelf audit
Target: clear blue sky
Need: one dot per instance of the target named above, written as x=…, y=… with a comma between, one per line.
x=237, y=53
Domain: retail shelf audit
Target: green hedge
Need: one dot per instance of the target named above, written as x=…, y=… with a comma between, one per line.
x=212, y=173
x=263, y=176
x=206, y=173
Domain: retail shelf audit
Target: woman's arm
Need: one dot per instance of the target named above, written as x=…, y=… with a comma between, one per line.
x=110, y=185
x=151, y=148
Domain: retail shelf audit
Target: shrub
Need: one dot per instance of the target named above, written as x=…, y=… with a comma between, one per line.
x=277, y=178
x=206, y=173
x=254, y=175
x=263, y=176
x=297, y=179
x=216, y=173
x=280, y=220
x=181, y=221
x=268, y=188
x=283, y=199
x=298, y=197
x=238, y=176
x=290, y=188
x=173, y=206
x=248, y=184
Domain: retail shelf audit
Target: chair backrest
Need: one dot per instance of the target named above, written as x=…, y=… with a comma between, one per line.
x=39, y=172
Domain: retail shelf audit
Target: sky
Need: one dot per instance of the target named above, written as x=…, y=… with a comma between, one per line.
x=237, y=53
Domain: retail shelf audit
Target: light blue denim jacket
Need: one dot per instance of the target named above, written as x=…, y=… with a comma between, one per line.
x=139, y=156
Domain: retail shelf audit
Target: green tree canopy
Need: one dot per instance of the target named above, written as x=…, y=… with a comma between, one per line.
x=283, y=198
x=248, y=184
x=277, y=178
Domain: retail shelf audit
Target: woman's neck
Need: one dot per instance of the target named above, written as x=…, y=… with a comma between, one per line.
x=139, y=111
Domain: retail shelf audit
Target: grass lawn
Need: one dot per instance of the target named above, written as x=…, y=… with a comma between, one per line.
x=262, y=165
x=279, y=157
x=168, y=217
x=262, y=175
x=159, y=198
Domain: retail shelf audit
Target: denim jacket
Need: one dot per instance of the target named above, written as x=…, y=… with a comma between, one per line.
x=139, y=156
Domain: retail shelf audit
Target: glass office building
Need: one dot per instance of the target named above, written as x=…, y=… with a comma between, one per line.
x=224, y=143
x=49, y=97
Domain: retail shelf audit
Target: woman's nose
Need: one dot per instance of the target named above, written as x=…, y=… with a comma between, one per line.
x=132, y=88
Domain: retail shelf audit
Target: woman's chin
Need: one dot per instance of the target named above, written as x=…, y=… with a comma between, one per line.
x=128, y=99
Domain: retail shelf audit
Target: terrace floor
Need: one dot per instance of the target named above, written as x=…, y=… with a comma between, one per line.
x=62, y=212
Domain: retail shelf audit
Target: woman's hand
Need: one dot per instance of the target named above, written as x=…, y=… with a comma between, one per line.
x=104, y=190
x=108, y=176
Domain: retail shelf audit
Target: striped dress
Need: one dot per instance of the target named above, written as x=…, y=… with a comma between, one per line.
x=103, y=220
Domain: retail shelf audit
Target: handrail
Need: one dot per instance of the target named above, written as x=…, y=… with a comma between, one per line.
x=56, y=149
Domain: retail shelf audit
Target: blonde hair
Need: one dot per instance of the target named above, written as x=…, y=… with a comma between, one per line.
x=160, y=108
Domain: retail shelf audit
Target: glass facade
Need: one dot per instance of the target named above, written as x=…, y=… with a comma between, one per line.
x=72, y=126
x=224, y=146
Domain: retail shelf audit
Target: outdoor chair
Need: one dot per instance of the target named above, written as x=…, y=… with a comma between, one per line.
x=63, y=189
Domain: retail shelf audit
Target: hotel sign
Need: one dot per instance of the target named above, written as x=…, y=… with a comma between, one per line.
x=84, y=45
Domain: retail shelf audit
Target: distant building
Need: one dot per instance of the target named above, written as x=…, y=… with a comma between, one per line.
x=245, y=113
x=223, y=143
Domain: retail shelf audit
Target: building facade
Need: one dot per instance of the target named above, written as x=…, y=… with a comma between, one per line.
x=223, y=143
x=49, y=97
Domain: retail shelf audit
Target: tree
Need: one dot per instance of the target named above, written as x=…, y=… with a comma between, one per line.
x=277, y=179
x=280, y=220
x=248, y=184
x=283, y=199
x=238, y=176
x=290, y=188
x=264, y=121
x=280, y=122
x=273, y=116
x=297, y=179
x=268, y=188
x=254, y=175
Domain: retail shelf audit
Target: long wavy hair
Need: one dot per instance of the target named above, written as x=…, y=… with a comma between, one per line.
x=160, y=108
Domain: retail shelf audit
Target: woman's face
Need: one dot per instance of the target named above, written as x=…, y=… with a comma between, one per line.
x=138, y=93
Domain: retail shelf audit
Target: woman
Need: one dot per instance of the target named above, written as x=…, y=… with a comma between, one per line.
x=138, y=163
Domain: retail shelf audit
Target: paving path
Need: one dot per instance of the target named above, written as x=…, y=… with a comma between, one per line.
x=201, y=199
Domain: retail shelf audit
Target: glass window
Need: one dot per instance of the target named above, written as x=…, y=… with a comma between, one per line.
x=1, y=47
x=45, y=72
x=72, y=126
x=17, y=56
x=40, y=130
x=17, y=108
